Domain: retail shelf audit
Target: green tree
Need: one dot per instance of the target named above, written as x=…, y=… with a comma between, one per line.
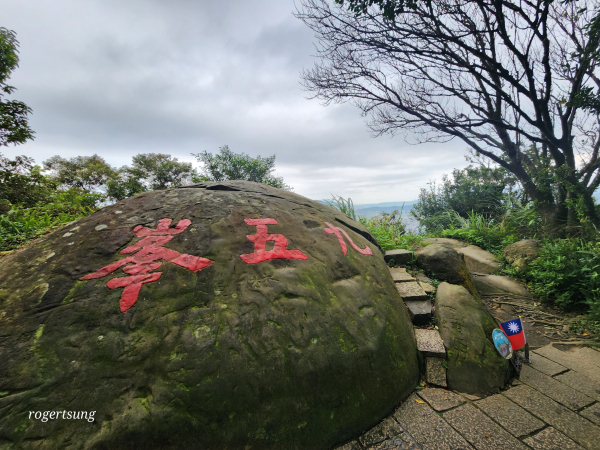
x=150, y=172
x=479, y=190
x=14, y=128
x=88, y=173
x=228, y=165
x=21, y=182
x=498, y=75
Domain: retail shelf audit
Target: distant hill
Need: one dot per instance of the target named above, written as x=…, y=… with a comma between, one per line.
x=369, y=210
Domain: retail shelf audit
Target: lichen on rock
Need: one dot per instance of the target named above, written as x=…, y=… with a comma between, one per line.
x=278, y=353
x=474, y=365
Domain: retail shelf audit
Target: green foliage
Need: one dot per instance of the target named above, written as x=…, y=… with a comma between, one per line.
x=567, y=273
x=345, y=206
x=83, y=172
x=149, y=172
x=21, y=182
x=228, y=165
x=14, y=128
x=477, y=190
x=387, y=228
x=585, y=98
x=485, y=233
x=21, y=225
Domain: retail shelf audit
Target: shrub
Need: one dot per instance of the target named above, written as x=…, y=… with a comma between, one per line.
x=21, y=225
x=387, y=229
x=474, y=189
x=567, y=273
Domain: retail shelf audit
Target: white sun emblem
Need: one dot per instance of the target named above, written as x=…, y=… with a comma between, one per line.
x=513, y=327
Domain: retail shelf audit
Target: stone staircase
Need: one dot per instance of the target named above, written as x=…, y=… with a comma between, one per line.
x=413, y=294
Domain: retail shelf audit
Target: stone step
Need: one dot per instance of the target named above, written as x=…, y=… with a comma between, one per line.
x=419, y=311
x=400, y=275
x=428, y=288
x=411, y=290
x=478, y=260
x=399, y=256
x=435, y=372
x=430, y=343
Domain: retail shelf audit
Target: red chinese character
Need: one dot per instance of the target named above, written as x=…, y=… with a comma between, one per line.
x=338, y=233
x=146, y=253
x=260, y=239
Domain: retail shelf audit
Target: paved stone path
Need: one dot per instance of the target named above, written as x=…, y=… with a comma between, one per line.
x=554, y=405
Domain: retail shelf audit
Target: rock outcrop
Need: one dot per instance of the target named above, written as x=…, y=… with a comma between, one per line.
x=446, y=264
x=478, y=260
x=219, y=315
x=521, y=253
x=474, y=364
x=498, y=285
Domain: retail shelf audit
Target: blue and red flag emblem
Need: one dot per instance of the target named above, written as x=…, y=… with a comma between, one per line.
x=514, y=332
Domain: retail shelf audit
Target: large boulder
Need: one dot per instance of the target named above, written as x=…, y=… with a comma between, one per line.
x=479, y=260
x=521, y=253
x=498, y=285
x=446, y=264
x=474, y=364
x=446, y=242
x=219, y=315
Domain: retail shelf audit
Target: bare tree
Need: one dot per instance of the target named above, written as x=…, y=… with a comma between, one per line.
x=497, y=74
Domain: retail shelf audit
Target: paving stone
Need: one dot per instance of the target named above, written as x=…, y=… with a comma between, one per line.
x=590, y=354
x=410, y=291
x=399, y=256
x=350, y=446
x=440, y=399
x=419, y=311
x=580, y=383
x=592, y=413
x=563, y=419
x=480, y=430
x=470, y=396
x=397, y=443
x=429, y=289
x=511, y=416
x=550, y=439
x=545, y=365
x=581, y=360
x=554, y=389
x=400, y=275
x=436, y=372
x=429, y=342
x=379, y=433
x=427, y=427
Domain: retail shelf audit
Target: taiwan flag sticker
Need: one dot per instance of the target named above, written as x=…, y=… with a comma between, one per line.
x=514, y=332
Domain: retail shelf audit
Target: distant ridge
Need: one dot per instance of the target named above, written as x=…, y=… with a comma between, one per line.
x=399, y=204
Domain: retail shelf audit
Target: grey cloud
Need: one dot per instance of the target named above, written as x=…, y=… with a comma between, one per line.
x=121, y=78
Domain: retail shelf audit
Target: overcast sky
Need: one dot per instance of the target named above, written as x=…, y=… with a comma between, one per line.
x=118, y=78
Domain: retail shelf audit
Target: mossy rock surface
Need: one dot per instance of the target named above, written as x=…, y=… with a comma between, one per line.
x=466, y=326
x=279, y=354
x=521, y=253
